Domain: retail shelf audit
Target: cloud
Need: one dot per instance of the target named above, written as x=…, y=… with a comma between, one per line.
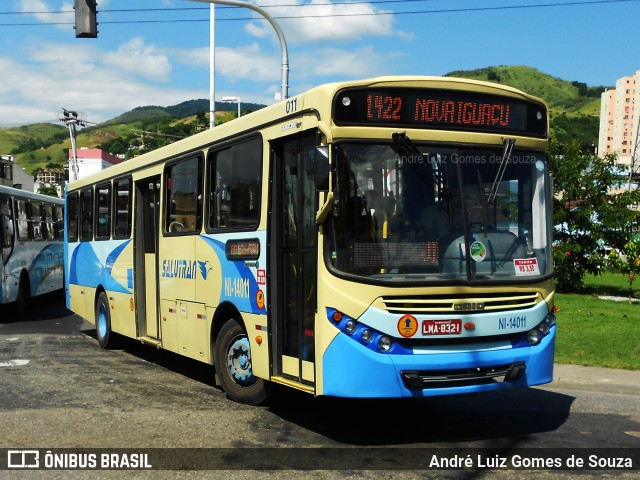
x=321, y=20
x=42, y=12
x=136, y=57
x=47, y=78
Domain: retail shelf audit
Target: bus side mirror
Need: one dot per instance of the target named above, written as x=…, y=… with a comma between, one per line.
x=321, y=168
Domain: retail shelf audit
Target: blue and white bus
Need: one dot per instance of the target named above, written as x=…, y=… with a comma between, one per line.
x=31, y=234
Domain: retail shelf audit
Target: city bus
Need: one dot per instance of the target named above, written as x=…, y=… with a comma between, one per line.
x=31, y=234
x=383, y=238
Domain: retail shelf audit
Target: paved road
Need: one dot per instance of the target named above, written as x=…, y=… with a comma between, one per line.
x=59, y=390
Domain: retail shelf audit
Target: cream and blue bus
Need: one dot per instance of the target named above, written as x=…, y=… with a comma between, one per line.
x=31, y=234
x=381, y=238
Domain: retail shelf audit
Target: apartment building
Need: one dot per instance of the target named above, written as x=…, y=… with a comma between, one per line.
x=619, y=122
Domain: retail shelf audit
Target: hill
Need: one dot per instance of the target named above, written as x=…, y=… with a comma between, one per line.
x=574, y=111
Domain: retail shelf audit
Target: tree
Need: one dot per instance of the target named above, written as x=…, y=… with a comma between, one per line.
x=591, y=208
x=628, y=263
x=51, y=191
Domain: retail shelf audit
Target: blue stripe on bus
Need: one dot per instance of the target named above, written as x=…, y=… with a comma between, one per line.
x=235, y=269
x=86, y=269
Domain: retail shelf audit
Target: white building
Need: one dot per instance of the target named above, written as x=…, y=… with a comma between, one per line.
x=90, y=161
x=619, y=122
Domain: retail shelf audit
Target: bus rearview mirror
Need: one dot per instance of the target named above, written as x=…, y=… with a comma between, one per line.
x=321, y=168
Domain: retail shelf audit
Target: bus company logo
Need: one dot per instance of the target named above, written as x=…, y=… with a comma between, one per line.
x=23, y=459
x=185, y=269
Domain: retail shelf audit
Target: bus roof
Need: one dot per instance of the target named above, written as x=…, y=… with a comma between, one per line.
x=16, y=192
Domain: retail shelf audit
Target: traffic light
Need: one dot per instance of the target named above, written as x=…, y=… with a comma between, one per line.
x=86, y=25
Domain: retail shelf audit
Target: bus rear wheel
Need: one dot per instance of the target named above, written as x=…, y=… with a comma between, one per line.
x=104, y=334
x=234, y=367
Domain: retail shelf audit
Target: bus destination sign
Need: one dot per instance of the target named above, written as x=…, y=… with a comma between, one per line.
x=439, y=109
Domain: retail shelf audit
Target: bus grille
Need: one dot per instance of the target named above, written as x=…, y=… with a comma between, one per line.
x=466, y=377
x=484, y=302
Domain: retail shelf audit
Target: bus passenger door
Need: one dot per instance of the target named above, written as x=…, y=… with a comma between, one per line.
x=147, y=216
x=292, y=264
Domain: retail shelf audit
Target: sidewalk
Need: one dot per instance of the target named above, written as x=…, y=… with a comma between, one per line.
x=596, y=378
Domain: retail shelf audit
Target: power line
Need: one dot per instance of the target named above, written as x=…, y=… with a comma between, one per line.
x=329, y=15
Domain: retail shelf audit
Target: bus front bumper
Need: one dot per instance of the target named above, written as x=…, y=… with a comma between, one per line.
x=351, y=370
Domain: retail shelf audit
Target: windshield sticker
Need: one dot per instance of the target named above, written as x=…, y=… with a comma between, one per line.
x=526, y=266
x=478, y=251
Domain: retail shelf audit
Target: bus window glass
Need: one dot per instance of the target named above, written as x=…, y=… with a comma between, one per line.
x=235, y=181
x=86, y=214
x=72, y=217
x=122, y=201
x=103, y=215
x=23, y=222
x=6, y=226
x=58, y=224
x=184, y=208
x=36, y=221
x=47, y=222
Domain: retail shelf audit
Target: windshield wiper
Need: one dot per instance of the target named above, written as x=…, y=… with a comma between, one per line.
x=506, y=156
x=406, y=147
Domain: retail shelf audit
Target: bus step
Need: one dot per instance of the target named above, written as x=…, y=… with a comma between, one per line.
x=293, y=384
x=154, y=342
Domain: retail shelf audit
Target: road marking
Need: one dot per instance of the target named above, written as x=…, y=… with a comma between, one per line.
x=14, y=363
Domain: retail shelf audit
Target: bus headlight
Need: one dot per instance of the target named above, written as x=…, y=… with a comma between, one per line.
x=534, y=336
x=366, y=335
x=350, y=326
x=384, y=344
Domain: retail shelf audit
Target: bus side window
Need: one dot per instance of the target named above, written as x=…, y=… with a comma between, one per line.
x=47, y=222
x=122, y=208
x=6, y=223
x=35, y=219
x=23, y=221
x=103, y=213
x=58, y=223
x=86, y=214
x=184, y=194
x=72, y=217
x=235, y=184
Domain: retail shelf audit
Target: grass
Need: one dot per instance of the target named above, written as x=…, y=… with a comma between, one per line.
x=595, y=332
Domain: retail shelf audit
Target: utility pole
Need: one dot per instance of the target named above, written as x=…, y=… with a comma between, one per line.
x=72, y=120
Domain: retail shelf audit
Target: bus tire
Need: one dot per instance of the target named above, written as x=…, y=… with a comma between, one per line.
x=233, y=366
x=23, y=299
x=104, y=334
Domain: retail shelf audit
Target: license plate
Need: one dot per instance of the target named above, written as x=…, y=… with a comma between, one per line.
x=442, y=327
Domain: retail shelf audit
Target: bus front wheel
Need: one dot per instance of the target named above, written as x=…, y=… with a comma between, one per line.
x=103, y=322
x=233, y=365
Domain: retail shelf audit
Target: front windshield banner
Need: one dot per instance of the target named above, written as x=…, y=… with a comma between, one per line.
x=423, y=213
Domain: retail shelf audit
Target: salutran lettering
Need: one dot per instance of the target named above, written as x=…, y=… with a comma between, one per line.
x=179, y=269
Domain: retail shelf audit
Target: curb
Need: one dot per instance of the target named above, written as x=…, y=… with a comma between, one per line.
x=596, y=378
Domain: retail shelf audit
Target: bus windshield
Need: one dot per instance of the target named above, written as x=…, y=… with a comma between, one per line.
x=413, y=213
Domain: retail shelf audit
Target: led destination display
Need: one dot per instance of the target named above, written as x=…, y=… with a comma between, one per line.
x=425, y=108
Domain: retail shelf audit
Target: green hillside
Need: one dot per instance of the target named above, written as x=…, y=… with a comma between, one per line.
x=574, y=110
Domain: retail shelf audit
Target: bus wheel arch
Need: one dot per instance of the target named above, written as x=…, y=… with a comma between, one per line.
x=232, y=359
x=104, y=333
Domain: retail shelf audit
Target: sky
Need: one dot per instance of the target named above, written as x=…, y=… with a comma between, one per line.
x=157, y=52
